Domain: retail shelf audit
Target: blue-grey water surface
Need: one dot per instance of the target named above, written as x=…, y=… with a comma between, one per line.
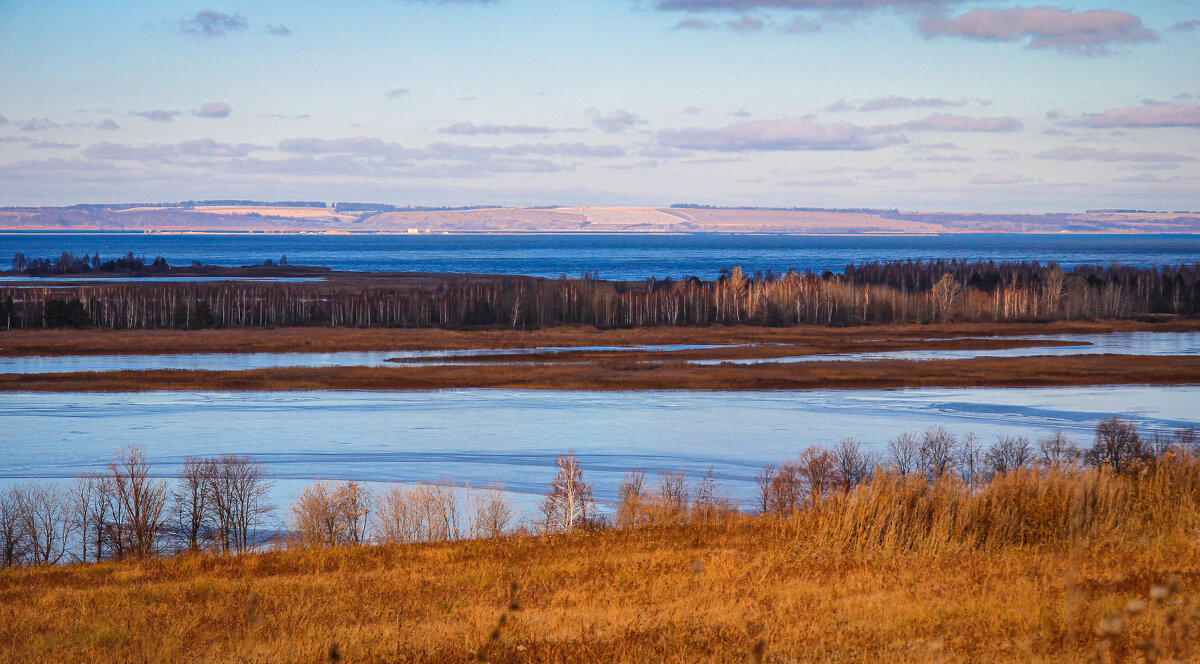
x=617, y=256
x=513, y=436
x=1117, y=343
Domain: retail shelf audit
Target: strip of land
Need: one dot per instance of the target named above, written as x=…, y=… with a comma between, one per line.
x=619, y=375
x=792, y=340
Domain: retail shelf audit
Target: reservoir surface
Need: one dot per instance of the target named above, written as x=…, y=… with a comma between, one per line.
x=513, y=436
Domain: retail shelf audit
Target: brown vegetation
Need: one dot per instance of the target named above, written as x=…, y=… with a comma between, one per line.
x=792, y=340
x=1048, y=564
x=620, y=374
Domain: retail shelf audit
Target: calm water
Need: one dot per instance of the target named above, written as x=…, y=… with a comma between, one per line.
x=514, y=436
x=244, y=361
x=1117, y=343
x=629, y=256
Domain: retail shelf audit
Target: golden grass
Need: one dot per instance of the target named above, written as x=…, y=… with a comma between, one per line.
x=618, y=373
x=1106, y=570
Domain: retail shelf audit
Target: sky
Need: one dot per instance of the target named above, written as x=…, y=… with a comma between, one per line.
x=933, y=105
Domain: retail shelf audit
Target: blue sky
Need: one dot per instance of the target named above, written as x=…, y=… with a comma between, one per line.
x=916, y=104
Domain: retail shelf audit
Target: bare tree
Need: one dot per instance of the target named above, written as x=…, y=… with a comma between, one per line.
x=397, y=516
x=710, y=504
x=237, y=502
x=969, y=458
x=335, y=514
x=818, y=473
x=904, y=452
x=316, y=517
x=1052, y=289
x=102, y=514
x=438, y=507
x=494, y=514
x=632, y=499
x=354, y=503
x=1009, y=453
x=1160, y=443
x=944, y=296
x=255, y=516
x=1180, y=441
x=1117, y=444
x=568, y=503
x=140, y=502
x=1187, y=439
x=671, y=496
x=1058, y=451
x=92, y=508
x=853, y=466
x=787, y=488
x=936, y=454
x=85, y=496
x=191, y=503
x=45, y=514
x=12, y=530
x=763, y=480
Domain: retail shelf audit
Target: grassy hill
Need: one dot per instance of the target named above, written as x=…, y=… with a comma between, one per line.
x=1035, y=566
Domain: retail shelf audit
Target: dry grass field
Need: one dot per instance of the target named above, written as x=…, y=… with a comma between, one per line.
x=1038, y=566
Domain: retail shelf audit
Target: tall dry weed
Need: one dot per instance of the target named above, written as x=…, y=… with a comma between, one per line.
x=1026, y=507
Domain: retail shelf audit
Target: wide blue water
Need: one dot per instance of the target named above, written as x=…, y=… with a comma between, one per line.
x=1116, y=343
x=513, y=436
x=244, y=361
x=629, y=256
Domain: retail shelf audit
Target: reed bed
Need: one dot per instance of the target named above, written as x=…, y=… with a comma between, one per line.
x=1027, y=507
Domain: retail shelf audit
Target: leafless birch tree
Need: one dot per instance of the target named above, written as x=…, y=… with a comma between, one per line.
x=568, y=504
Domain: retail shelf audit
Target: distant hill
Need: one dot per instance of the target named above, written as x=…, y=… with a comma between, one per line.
x=318, y=217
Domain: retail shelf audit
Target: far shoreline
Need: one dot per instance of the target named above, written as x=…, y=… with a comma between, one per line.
x=519, y=233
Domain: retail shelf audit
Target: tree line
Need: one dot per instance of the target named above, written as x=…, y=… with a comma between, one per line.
x=874, y=293
x=222, y=506
x=69, y=263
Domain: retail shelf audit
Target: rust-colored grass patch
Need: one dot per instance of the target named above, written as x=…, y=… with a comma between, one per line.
x=625, y=374
x=330, y=339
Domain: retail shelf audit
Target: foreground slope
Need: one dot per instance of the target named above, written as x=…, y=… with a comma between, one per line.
x=1038, y=566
